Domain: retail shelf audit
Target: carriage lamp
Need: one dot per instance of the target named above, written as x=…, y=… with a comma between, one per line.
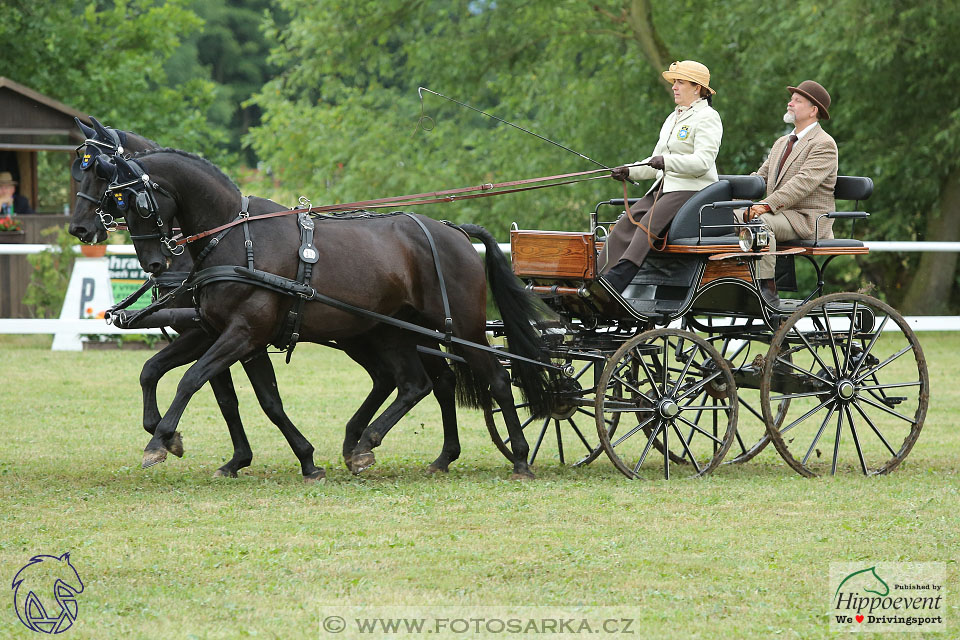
x=754, y=237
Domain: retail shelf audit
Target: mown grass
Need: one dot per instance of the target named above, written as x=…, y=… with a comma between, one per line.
x=172, y=552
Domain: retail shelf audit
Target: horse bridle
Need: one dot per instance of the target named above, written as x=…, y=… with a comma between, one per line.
x=144, y=193
x=85, y=161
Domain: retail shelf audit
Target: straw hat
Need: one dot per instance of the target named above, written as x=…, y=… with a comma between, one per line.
x=815, y=93
x=7, y=178
x=689, y=70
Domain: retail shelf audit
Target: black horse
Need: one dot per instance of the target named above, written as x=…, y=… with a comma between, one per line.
x=383, y=264
x=88, y=224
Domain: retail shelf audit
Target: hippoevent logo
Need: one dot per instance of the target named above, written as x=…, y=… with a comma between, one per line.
x=45, y=593
x=890, y=596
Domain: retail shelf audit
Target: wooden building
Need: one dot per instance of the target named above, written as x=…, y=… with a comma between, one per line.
x=31, y=122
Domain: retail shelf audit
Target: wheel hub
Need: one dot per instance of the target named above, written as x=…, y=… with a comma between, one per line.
x=568, y=390
x=668, y=409
x=846, y=390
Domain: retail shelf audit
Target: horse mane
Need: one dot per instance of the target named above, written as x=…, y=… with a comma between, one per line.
x=192, y=156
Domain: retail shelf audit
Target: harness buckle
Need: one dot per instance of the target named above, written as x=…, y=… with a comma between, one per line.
x=244, y=214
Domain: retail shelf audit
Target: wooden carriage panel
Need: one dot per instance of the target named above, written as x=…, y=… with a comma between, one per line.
x=553, y=254
x=725, y=269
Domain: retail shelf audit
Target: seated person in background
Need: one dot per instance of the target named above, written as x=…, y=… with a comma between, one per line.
x=801, y=173
x=684, y=161
x=10, y=201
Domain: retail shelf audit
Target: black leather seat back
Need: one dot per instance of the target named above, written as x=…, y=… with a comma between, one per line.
x=746, y=187
x=686, y=224
x=853, y=188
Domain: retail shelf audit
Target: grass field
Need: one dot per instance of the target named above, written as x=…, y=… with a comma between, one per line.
x=171, y=552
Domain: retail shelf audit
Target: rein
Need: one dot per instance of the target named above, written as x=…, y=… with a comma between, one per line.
x=431, y=197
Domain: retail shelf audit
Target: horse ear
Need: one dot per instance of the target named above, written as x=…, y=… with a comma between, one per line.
x=87, y=131
x=101, y=130
x=105, y=168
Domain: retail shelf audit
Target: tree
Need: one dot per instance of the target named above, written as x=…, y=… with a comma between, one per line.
x=340, y=120
x=107, y=60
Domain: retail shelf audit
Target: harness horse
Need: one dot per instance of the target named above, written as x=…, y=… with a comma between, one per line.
x=246, y=285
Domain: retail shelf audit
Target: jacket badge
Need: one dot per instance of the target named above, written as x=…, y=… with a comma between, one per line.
x=683, y=133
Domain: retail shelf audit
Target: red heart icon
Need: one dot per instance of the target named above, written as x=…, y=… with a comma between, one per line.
x=859, y=618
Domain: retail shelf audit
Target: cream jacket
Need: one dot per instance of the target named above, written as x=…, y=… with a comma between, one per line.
x=689, y=143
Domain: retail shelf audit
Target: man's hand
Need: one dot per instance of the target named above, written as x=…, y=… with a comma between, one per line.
x=620, y=173
x=756, y=211
x=656, y=162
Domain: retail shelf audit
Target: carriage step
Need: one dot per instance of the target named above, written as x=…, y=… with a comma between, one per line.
x=892, y=401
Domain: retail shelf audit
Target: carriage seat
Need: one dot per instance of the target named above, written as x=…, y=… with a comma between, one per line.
x=685, y=228
x=854, y=188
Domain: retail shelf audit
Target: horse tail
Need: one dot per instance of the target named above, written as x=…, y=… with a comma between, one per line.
x=518, y=309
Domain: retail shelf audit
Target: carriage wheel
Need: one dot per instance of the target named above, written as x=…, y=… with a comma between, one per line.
x=752, y=436
x=858, y=386
x=655, y=384
x=568, y=430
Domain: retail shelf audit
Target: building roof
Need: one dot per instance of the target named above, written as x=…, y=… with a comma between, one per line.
x=30, y=120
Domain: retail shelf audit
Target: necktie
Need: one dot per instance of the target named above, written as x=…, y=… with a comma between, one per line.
x=786, y=153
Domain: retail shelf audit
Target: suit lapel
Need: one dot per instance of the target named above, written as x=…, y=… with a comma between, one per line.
x=797, y=148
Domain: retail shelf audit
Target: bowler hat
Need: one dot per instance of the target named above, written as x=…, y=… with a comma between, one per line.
x=7, y=178
x=815, y=93
x=689, y=70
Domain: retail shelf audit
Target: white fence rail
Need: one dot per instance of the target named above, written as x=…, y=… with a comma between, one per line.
x=81, y=327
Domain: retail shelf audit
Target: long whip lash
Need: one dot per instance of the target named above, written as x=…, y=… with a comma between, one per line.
x=420, y=91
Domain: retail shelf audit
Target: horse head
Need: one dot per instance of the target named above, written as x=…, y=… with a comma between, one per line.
x=90, y=220
x=133, y=191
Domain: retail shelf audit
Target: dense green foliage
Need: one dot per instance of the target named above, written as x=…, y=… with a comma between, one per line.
x=107, y=59
x=340, y=122
x=51, y=274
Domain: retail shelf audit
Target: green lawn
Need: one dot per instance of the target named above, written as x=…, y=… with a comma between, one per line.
x=172, y=552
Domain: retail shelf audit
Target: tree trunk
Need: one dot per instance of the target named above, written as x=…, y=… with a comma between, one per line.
x=640, y=19
x=929, y=291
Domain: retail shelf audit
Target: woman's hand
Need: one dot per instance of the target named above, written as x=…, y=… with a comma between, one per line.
x=755, y=211
x=620, y=173
x=656, y=162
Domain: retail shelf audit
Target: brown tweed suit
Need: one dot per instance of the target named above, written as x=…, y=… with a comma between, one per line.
x=804, y=189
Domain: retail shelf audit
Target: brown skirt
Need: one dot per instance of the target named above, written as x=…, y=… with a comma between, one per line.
x=630, y=242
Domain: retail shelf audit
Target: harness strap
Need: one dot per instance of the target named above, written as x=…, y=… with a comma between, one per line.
x=308, y=257
x=447, y=319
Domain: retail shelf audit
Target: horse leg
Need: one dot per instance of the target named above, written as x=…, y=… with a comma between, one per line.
x=413, y=384
x=444, y=390
x=228, y=348
x=492, y=379
x=187, y=347
x=264, y=380
x=383, y=386
x=226, y=395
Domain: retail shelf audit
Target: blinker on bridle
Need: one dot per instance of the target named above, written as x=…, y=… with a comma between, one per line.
x=142, y=191
x=87, y=154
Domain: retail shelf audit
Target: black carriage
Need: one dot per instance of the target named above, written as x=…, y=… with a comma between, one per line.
x=691, y=364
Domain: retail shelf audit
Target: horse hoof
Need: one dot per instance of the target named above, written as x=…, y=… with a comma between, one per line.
x=221, y=473
x=522, y=475
x=432, y=469
x=176, y=444
x=153, y=456
x=360, y=462
x=316, y=476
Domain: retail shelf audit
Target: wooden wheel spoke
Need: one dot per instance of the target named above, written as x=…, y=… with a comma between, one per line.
x=816, y=438
x=699, y=430
x=873, y=341
x=857, y=406
x=806, y=415
x=632, y=431
x=686, y=449
x=887, y=409
x=856, y=440
x=884, y=363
